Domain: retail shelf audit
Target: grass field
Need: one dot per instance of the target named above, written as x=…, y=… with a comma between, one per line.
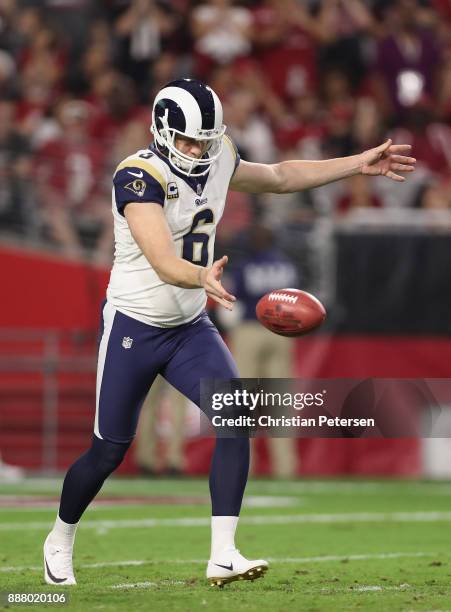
x=332, y=545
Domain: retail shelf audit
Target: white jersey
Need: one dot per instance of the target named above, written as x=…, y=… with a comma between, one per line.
x=192, y=206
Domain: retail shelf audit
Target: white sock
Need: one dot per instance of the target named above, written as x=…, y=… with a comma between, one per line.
x=64, y=533
x=222, y=533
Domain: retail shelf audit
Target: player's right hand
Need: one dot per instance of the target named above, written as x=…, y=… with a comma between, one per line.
x=211, y=282
x=387, y=160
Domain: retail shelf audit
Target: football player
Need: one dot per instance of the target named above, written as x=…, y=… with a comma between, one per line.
x=167, y=202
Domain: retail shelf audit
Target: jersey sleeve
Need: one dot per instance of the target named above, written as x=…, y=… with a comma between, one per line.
x=136, y=181
x=233, y=149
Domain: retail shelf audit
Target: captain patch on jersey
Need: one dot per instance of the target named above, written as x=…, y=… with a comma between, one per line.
x=134, y=184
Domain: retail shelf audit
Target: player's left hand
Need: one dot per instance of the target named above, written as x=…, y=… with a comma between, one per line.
x=387, y=159
x=211, y=282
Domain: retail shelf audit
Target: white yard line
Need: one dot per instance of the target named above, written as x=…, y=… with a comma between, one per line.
x=362, y=557
x=283, y=519
x=13, y=503
x=147, y=585
x=378, y=588
x=299, y=560
x=135, y=585
x=368, y=588
x=359, y=589
x=291, y=487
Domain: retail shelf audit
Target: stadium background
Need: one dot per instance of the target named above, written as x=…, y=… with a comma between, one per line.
x=308, y=79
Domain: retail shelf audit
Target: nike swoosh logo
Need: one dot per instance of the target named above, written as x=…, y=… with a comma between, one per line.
x=227, y=567
x=140, y=175
x=54, y=578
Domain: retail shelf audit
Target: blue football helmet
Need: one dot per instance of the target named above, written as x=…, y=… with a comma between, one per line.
x=191, y=109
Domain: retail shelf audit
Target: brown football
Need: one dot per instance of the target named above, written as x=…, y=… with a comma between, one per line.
x=290, y=312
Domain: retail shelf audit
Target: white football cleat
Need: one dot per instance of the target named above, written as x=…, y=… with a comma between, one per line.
x=230, y=565
x=58, y=568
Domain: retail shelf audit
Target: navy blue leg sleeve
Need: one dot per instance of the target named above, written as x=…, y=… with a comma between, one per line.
x=86, y=476
x=207, y=356
x=228, y=475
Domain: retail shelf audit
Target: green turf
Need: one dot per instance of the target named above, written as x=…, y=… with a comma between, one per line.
x=172, y=556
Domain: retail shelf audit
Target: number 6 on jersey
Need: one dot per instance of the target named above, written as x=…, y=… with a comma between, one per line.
x=195, y=242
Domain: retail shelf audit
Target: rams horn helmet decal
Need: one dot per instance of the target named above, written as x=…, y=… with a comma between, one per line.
x=191, y=109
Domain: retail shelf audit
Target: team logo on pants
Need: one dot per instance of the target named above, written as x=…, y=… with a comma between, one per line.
x=127, y=342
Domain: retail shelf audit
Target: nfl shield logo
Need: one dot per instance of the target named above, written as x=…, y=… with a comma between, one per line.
x=127, y=342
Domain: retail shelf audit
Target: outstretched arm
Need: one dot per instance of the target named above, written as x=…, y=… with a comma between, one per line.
x=295, y=175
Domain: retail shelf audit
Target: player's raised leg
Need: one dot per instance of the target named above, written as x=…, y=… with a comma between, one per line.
x=124, y=375
x=201, y=353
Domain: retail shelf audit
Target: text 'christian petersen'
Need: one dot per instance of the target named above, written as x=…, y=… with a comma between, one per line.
x=267, y=421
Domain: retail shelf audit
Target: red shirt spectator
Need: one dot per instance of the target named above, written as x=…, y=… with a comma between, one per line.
x=70, y=169
x=431, y=143
x=286, y=52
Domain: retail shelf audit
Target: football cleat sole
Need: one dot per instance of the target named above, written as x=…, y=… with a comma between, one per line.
x=251, y=574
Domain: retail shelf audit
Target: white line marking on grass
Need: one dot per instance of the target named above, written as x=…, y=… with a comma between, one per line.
x=116, y=563
x=284, y=519
x=270, y=501
x=365, y=487
x=9, y=503
x=286, y=487
x=43, y=508
x=300, y=560
x=147, y=585
x=366, y=588
x=84, y=565
x=134, y=585
x=325, y=558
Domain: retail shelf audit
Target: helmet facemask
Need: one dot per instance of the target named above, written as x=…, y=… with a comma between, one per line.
x=165, y=138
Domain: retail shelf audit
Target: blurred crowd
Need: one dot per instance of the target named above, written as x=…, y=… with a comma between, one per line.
x=304, y=79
